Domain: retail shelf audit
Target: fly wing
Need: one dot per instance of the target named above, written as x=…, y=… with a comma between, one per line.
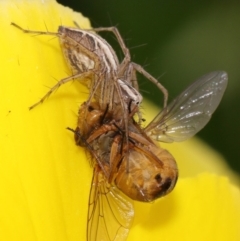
x=190, y=111
x=110, y=213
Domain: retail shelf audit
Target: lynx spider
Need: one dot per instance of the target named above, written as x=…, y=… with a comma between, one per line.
x=121, y=76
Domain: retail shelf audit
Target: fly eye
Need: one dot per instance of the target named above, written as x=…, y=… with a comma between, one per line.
x=158, y=178
x=166, y=185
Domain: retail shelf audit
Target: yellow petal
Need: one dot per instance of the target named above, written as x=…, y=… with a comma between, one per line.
x=45, y=178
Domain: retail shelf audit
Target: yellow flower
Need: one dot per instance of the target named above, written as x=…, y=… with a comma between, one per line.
x=45, y=178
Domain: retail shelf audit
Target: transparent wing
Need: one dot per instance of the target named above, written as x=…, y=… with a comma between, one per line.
x=190, y=111
x=110, y=213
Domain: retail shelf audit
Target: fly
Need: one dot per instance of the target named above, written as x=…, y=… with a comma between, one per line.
x=152, y=171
